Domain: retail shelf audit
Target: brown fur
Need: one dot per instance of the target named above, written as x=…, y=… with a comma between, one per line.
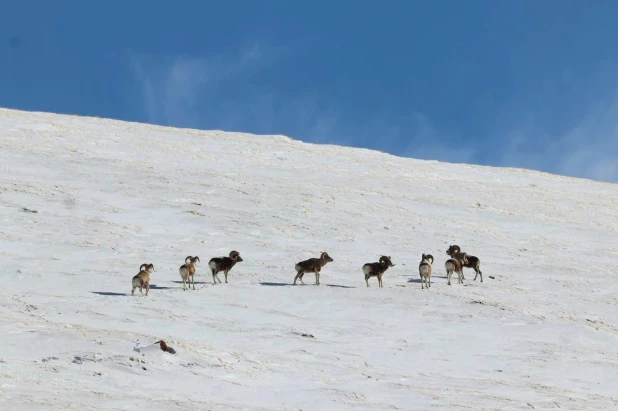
x=454, y=265
x=473, y=262
x=187, y=271
x=312, y=265
x=377, y=269
x=142, y=279
x=424, y=270
x=165, y=347
x=225, y=264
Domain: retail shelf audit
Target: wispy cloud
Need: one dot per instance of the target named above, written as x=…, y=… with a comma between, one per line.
x=147, y=89
x=426, y=142
x=175, y=91
x=217, y=92
x=588, y=149
x=205, y=93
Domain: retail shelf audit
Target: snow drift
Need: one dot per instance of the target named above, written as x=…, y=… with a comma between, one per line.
x=85, y=201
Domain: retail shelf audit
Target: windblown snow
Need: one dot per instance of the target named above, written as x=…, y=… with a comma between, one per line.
x=86, y=201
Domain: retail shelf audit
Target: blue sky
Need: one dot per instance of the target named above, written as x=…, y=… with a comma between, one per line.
x=506, y=83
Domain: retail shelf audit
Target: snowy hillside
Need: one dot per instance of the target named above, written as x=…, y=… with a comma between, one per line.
x=111, y=195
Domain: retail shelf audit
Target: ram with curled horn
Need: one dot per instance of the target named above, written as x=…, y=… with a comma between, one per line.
x=470, y=261
x=225, y=264
x=187, y=271
x=377, y=269
x=424, y=270
x=456, y=265
x=142, y=279
x=312, y=265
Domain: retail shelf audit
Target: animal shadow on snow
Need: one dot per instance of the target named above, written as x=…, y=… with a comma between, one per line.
x=156, y=287
x=276, y=284
x=268, y=284
x=108, y=294
x=418, y=280
x=196, y=283
x=111, y=294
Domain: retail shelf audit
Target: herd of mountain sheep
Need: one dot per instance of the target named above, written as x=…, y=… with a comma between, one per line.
x=455, y=264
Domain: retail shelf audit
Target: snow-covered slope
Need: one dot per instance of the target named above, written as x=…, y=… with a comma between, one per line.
x=111, y=195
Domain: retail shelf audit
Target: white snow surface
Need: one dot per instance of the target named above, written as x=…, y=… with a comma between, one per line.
x=111, y=195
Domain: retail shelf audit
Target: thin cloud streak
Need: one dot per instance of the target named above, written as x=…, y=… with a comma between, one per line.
x=427, y=143
x=147, y=89
x=199, y=92
x=174, y=91
x=588, y=150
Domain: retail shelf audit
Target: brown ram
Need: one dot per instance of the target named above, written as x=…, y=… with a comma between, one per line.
x=187, y=271
x=142, y=279
x=473, y=262
x=424, y=270
x=455, y=265
x=377, y=269
x=225, y=264
x=312, y=265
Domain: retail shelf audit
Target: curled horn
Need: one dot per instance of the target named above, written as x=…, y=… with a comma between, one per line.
x=235, y=255
x=385, y=259
x=197, y=258
x=142, y=266
x=151, y=265
x=188, y=259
